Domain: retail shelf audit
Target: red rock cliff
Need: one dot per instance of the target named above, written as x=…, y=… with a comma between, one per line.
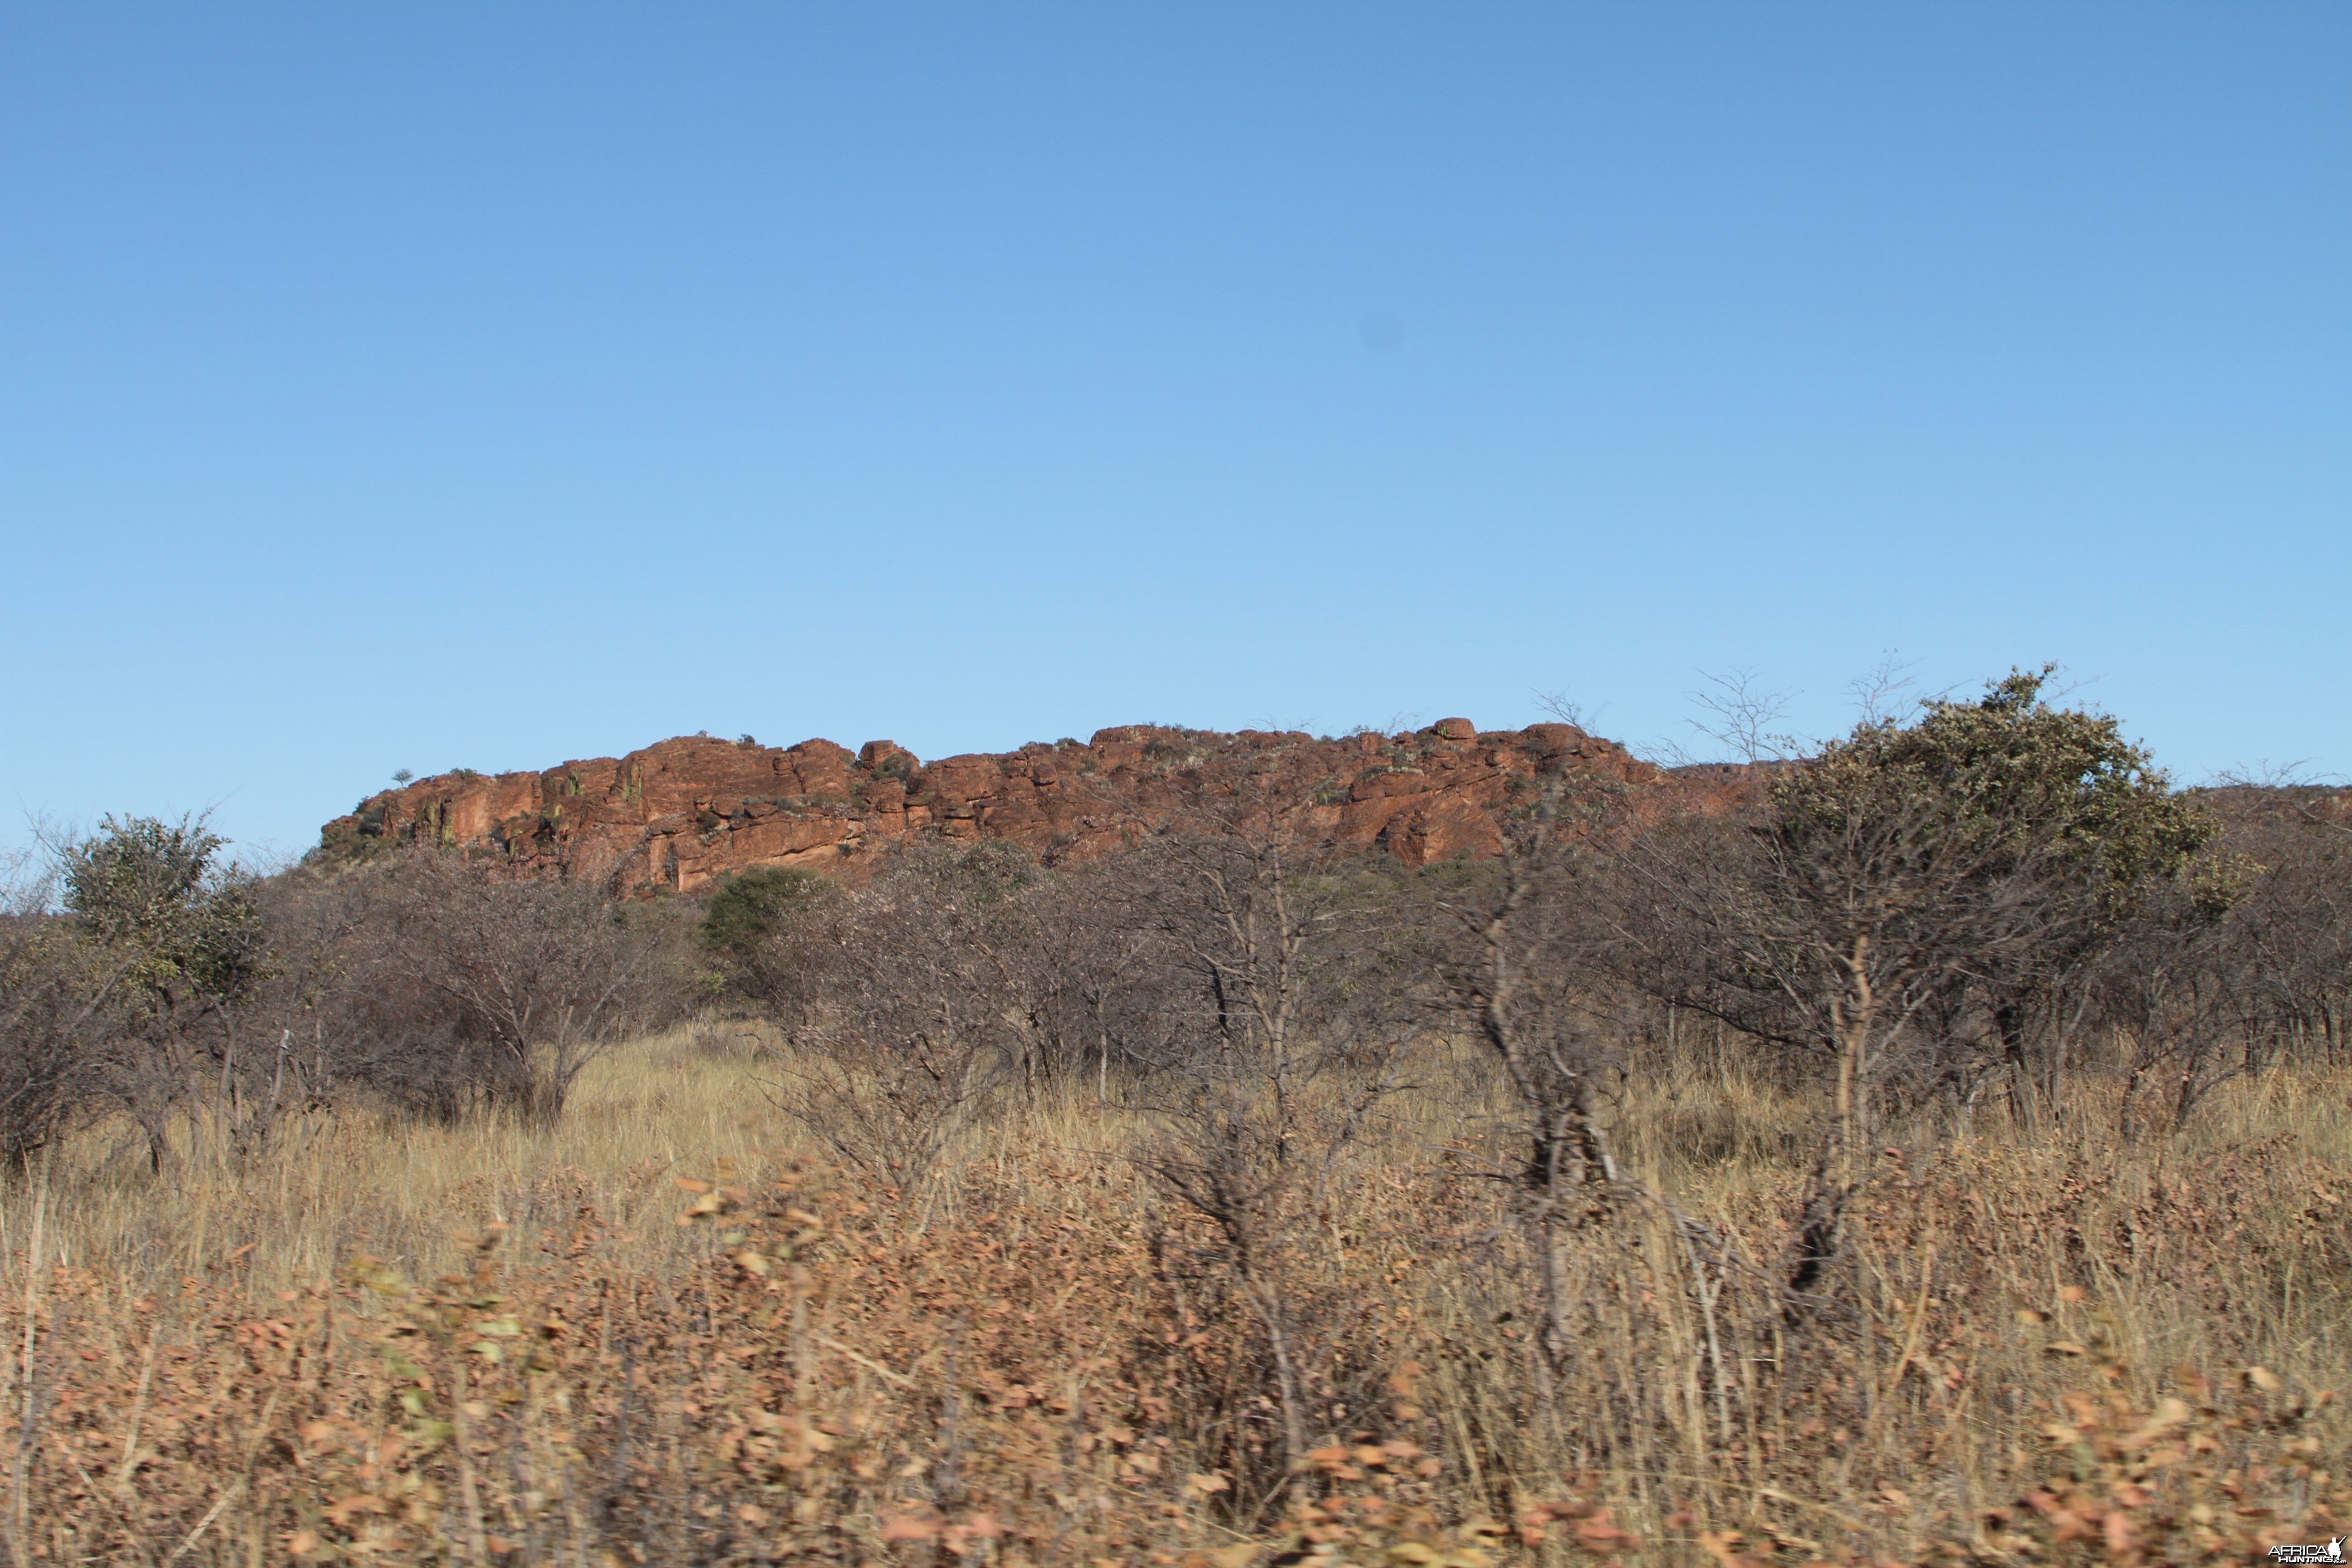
x=679, y=813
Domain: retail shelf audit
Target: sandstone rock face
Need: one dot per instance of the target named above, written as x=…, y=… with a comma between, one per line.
x=679, y=813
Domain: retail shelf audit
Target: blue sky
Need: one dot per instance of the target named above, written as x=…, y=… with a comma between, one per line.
x=428, y=387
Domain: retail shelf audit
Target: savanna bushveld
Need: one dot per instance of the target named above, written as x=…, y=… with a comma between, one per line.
x=1184, y=1148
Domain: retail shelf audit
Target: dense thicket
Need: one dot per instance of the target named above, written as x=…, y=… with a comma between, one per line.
x=1925, y=923
x=145, y=974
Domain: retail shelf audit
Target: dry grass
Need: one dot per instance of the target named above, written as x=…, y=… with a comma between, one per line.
x=662, y=1332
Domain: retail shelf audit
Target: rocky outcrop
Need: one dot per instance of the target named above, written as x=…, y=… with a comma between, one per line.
x=677, y=813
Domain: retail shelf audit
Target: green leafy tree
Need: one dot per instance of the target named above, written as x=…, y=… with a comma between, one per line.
x=1906, y=898
x=173, y=938
x=533, y=980
x=2002, y=843
x=157, y=897
x=748, y=906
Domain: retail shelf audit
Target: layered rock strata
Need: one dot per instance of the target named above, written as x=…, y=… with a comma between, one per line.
x=679, y=813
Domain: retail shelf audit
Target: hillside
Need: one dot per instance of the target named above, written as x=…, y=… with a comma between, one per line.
x=683, y=811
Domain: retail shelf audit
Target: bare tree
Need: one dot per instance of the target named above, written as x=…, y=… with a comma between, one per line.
x=1567, y=709
x=904, y=1014
x=537, y=976
x=2173, y=989
x=1540, y=978
x=1744, y=716
x=2293, y=934
x=1095, y=978
x=1526, y=979
x=1876, y=694
x=1289, y=1029
x=329, y=1018
x=53, y=996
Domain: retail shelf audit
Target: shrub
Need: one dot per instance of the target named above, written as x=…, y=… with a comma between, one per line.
x=749, y=906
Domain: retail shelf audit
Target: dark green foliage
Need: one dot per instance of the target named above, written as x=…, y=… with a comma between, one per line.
x=1918, y=908
x=749, y=905
x=1984, y=853
x=2010, y=777
x=126, y=996
x=154, y=897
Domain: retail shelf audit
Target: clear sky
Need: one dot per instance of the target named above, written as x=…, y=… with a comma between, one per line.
x=490, y=386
